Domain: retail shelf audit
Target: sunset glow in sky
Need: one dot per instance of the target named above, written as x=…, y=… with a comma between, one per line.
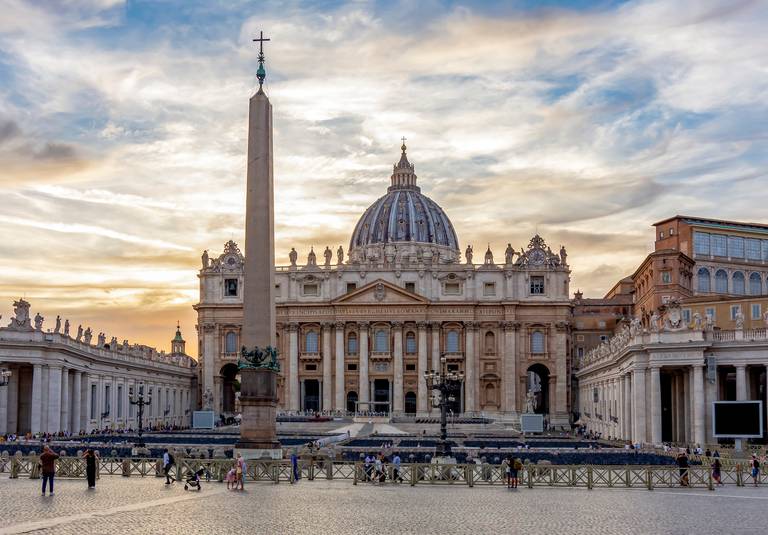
x=123, y=134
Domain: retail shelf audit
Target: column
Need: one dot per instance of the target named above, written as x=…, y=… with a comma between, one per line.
x=469, y=365
x=638, y=405
x=559, y=353
x=698, y=404
x=397, y=390
x=364, y=387
x=687, y=408
x=422, y=395
x=655, y=405
x=44, y=389
x=510, y=367
x=4, y=406
x=293, y=366
x=673, y=406
x=113, y=403
x=208, y=359
x=339, y=404
x=64, y=416
x=54, y=399
x=741, y=383
x=327, y=369
x=435, y=355
x=627, y=407
x=77, y=398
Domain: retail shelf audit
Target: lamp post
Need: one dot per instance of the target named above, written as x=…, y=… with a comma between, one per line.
x=138, y=400
x=5, y=377
x=448, y=384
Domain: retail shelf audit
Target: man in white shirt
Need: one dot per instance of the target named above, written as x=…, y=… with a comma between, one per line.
x=167, y=464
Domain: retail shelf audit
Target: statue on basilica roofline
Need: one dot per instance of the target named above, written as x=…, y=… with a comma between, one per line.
x=311, y=257
x=489, y=256
x=38, y=322
x=468, y=254
x=292, y=256
x=340, y=255
x=327, y=255
x=509, y=254
x=58, y=325
x=563, y=256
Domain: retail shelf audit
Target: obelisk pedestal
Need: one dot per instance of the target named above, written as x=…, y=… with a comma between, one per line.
x=258, y=380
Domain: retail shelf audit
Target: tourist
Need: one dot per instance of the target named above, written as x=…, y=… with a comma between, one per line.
x=708, y=453
x=517, y=465
x=368, y=464
x=506, y=466
x=168, y=462
x=396, y=468
x=48, y=466
x=240, y=472
x=754, y=465
x=379, y=473
x=716, y=467
x=295, y=467
x=682, y=465
x=231, y=477
x=91, y=463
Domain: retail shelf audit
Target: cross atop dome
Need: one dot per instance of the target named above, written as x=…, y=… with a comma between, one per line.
x=403, y=176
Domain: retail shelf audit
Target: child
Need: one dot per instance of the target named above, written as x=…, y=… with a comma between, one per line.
x=231, y=479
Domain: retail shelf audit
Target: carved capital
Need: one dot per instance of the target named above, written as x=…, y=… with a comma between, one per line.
x=422, y=325
x=293, y=326
x=562, y=326
x=209, y=327
x=396, y=324
x=510, y=325
x=339, y=325
x=436, y=325
x=363, y=325
x=470, y=325
x=326, y=325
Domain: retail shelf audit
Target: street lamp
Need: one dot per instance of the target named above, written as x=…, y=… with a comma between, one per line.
x=448, y=385
x=138, y=400
x=5, y=377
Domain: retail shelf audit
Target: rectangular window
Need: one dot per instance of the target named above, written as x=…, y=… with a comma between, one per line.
x=94, y=393
x=310, y=289
x=351, y=286
x=603, y=337
x=310, y=367
x=734, y=311
x=230, y=287
x=701, y=243
x=753, y=249
x=537, y=285
x=452, y=288
x=756, y=312
x=735, y=247
x=352, y=367
x=410, y=367
x=718, y=244
x=120, y=401
x=489, y=288
x=687, y=315
x=410, y=344
x=666, y=277
x=410, y=287
x=579, y=337
x=106, y=399
x=579, y=352
x=453, y=367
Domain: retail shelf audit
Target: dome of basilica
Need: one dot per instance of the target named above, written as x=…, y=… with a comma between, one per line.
x=404, y=219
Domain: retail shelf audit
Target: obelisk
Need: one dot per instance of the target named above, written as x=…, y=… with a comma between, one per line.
x=258, y=385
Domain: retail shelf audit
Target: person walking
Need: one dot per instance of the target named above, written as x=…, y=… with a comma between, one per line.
x=378, y=474
x=506, y=466
x=48, y=466
x=168, y=462
x=517, y=465
x=396, y=468
x=682, y=465
x=91, y=461
x=755, y=465
x=240, y=472
x=716, y=467
x=295, y=467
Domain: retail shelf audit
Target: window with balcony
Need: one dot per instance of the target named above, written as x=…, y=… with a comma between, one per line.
x=230, y=345
x=710, y=313
x=735, y=309
x=410, y=343
x=311, y=342
x=537, y=285
x=352, y=344
x=756, y=311
x=537, y=342
x=381, y=341
x=452, y=342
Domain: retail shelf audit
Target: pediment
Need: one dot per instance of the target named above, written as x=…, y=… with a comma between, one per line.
x=380, y=292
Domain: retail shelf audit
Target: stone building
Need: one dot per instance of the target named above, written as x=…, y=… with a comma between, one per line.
x=61, y=382
x=364, y=327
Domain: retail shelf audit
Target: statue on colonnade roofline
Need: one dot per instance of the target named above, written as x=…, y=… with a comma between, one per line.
x=328, y=255
x=292, y=256
x=563, y=255
x=340, y=255
x=468, y=254
x=205, y=259
x=509, y=254
x=66, y=327
x=79, y=333
x=38, y=322
x=58, y=324
x=21, y=319
x=113, y=343
x=101, y=340
x=87, y=336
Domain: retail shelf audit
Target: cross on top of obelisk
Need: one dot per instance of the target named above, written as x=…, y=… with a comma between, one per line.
x=261, y=73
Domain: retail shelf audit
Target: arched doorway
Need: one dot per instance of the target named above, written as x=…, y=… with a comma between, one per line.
x=311, y=395
x=351, y=401
x=230, y=385
x=410, y=403
x=538, y=384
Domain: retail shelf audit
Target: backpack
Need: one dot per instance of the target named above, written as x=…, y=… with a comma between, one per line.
x=518, y=465
x=171, y=460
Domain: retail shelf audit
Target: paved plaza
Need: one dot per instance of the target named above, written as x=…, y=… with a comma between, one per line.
x=144, y=506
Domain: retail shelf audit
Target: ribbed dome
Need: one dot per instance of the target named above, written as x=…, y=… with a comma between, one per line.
x=404, y=214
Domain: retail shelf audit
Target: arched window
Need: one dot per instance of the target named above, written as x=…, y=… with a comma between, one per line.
x=490, y=343
x=721, y=281
x=703, y=281
x=537, y=342
x=311, y=342
x=410, y=343
x=739, y=284
x=231, y=342
x=452, y=342
x=352, y=344
x=755, y=284
x=381, y=341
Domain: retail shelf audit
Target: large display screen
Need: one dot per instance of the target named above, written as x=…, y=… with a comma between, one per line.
x=737, y=419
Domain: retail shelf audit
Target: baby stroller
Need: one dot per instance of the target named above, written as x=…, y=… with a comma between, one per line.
x=193, y=479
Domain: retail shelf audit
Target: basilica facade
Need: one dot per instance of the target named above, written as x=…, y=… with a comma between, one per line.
x=358, y=331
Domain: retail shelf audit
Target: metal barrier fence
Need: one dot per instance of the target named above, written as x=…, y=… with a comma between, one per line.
x=584, y=476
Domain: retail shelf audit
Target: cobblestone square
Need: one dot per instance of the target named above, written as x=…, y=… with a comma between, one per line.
x=147, y=506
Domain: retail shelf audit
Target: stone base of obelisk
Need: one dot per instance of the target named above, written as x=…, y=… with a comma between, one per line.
x=258, y=427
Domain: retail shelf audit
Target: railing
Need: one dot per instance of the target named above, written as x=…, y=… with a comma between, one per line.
x=579, y=476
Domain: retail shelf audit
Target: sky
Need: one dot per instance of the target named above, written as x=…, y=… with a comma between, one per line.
x=123, y=134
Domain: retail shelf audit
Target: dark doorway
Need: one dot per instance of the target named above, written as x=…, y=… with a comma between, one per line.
x=381, y=395
x=229, y=387
x=410, y=403
x=538, y=384
x=311, y=395
x=351, y=401
x=666, y=407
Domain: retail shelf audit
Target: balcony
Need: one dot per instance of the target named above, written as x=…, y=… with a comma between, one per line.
x=310, y=357
x=456, y=356
x=381, y=356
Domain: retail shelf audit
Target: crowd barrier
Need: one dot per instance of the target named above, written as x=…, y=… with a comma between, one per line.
x=531, y=476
